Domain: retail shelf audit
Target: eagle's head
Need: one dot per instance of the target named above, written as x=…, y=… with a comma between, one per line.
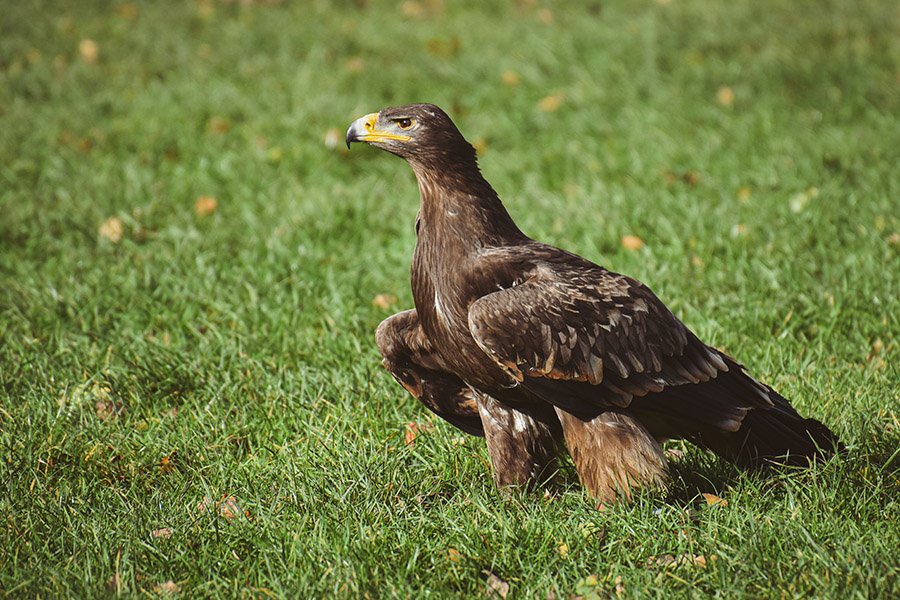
x=416, y=132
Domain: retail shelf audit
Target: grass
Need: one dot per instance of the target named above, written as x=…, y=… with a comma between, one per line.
x=231, y=354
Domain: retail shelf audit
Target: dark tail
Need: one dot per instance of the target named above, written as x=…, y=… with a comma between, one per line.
x=777, y=435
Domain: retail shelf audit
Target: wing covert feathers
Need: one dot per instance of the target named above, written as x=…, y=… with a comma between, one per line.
x=595, y=328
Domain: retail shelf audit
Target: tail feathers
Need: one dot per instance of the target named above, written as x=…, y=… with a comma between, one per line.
x=777, y=435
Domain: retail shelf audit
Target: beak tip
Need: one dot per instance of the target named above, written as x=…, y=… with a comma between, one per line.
x=350, y=137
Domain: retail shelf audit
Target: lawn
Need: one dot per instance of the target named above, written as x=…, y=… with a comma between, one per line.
x=192, y=266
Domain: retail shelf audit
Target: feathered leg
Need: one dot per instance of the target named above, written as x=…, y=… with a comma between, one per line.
x=613, y=453
x=522, y=446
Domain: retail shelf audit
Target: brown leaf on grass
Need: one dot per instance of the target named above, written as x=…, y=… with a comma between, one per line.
x=205, y=9
x=894, y=239
x=218, y=125
x=877, y=347
x=480, y=144
x=713, y=500
x=107, y=409
x=670, y=561
x=692, y=178
x=725, y=96
x=551, y=103
x=227, y=507
x=162, y=533
x=167, y=588
x=443, y=48
x=632, y=242
x=495, y=585
x=744, y=193
x=510, y=78
x=384, y=301
x=355, y=64
x=412, y=9
x=128, y=11
x=167, y=464
x=422, y=9
x=563, y=550
x=414, y=429
x=205, y=206
x=112, y=229
x=89, y=51
x=453, y=555
x=332, y=138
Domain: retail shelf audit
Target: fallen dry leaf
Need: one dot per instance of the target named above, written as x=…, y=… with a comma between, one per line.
x=128, y=11
x=355, y=64
x=384, y=301
x=894, y=239
x=107, y=409
x=89, y=51
x=163, y=533
x=725, y=96
x=495, y=585
x=563, y=550
x=205, y=206
x=332, y=138
x=666, y=561
x=412, y=9
x=551, y=103
x=510, y=78
x=744, y=193
x=713, y=500
x=219, y=125
x=738, y=230
x=877, y=347
x=112, y=229
x=167, y=464
x=414, y=429
x=632, y=242
x=453, y=555
x=167, y=588
x=443, y=48
x=227, y=507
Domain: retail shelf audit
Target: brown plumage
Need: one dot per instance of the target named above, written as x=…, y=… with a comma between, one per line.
x=530, y=345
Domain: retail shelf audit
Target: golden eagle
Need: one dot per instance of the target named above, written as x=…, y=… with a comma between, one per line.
x=530, y=345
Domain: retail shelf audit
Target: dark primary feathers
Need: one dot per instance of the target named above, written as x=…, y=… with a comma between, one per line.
x=535, y=326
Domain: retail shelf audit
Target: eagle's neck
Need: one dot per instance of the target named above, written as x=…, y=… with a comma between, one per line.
x=459, y=206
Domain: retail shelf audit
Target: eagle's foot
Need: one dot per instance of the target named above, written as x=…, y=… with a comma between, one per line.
x=614, y=454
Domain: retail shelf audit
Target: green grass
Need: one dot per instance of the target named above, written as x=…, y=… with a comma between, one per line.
x=238, y=346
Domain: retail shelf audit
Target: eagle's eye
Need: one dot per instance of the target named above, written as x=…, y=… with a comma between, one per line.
x=404, y=123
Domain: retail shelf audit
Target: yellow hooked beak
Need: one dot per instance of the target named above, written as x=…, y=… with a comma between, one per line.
x=363, y=130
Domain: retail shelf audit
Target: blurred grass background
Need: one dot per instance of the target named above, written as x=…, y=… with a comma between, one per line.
x=191, y=268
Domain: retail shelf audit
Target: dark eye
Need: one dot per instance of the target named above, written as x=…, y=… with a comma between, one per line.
x=404, y=123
